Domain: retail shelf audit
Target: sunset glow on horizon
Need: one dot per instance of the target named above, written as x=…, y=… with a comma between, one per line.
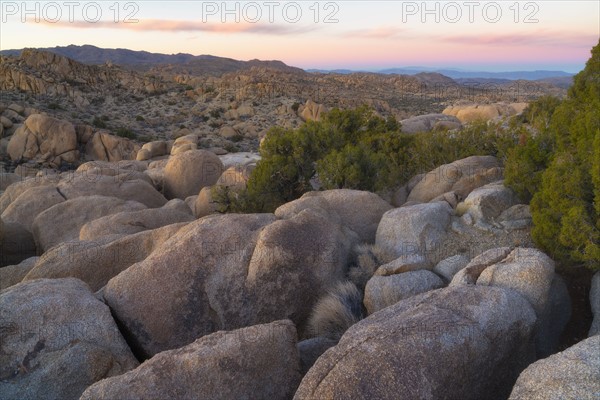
x=479, y=35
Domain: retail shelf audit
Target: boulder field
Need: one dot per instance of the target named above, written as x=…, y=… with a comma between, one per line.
x=121, y=280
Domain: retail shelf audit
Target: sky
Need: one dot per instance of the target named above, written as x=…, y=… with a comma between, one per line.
x=366, y=35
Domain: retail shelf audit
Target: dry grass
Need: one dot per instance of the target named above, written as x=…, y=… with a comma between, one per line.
x=336, y=311
x=368, y=257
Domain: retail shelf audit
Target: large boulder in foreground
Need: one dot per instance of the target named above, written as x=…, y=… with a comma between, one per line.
x=529, y=272
x=63, y=221
x=187, y=173
x=570, y=374
x=191, y=286
x=418, y=229
x=226, y=272
x=258, y=362
x=453, y=343
x=294, y=263
x=57, y=339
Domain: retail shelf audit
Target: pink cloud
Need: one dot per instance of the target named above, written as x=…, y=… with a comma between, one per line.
x=537, y=38
x=185, y=26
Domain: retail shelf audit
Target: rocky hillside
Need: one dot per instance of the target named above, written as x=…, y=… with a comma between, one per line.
x=144, y=61
x=230, y=102
x=45, y=73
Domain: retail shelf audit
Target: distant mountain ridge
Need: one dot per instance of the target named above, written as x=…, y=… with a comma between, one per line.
x=459, y=74
x=511, y=75
x=188, y=63
x=144, y=60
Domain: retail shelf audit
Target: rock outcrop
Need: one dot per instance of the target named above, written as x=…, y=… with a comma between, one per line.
x=417, y=229
x=258, y=362
x=530, y=273
x=44, y=139
x=187, y=173
x=226, y=272
x=570, y=374
x=130, y=222
x=311, y=111
x=57, y=339
x=460, y=177
x=30, y=203
x=106, y=147
x=63, y=221
x=484, y=112
x=429, y=122
x=96, y=262
x=481, y=333
x=120, y=187
x=357, y=210
x=384, y=291
x=12, y=274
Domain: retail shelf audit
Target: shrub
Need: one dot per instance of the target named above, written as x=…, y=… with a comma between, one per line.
x=566, y=209
x=99, y=123
x=125, y=133
x=139, y=118
x=336, y=312
x=539, y=113
x=237, y=138
x=355, y=149
x=227, y=199
x=432, y=149
x=291, y=158
x=216, y=113
x=526, y=162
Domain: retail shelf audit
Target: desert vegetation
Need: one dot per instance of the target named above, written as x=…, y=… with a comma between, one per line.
x=551, y=154
x=558, y=168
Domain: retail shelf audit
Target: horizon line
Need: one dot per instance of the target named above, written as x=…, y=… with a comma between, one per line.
x=380, y=69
